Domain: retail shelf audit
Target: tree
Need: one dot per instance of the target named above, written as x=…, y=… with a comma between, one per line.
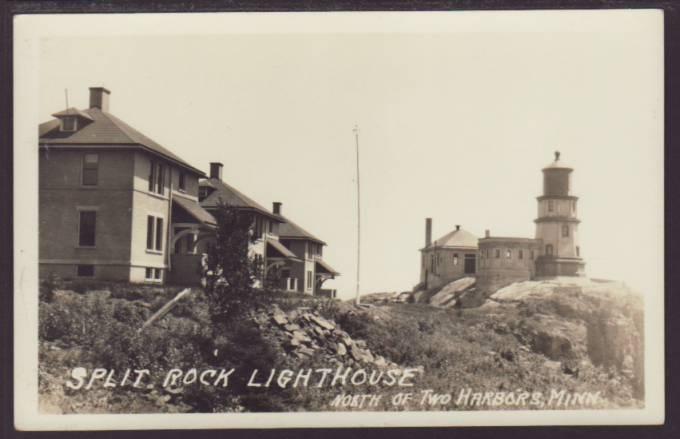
x=230, y=270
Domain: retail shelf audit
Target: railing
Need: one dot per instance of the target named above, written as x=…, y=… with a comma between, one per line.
x=326, y=292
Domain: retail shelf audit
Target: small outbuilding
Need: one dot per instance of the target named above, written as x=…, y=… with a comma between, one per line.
x=450, y=257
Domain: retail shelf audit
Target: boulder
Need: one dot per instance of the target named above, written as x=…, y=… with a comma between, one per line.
x=304, y=351
x=280, y=319
x=301, y=337
x=553, y=345
x=320, y=321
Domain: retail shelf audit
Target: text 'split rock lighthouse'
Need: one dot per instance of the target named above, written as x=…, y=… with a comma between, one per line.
x=557, y=224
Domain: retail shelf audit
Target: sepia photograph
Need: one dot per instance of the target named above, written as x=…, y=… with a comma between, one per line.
x=339, y=219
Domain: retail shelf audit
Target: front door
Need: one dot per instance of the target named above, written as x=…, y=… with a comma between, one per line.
x=470, y=264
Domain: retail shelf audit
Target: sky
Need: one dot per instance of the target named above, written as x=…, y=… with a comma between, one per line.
x=457, y=114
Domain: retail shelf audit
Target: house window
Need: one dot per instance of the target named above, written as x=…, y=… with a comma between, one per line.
x=309, y=279
x=156, y=178
x=182, y=181
x=154, y=233
x=550, y=206
x=68, y=124
x=150, y=221
x=85, y=270
x=549, y=249
x=153, y=274
x=565, y=231
x=87, y=228
x=258, y=227
x=159, y=234
x=455, y=259
x=508, y=254
x=90, y=169
x=520, y=254
x=498, y=253
x=532, y=255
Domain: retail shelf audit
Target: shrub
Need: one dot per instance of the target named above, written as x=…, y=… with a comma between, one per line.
x=48, y=287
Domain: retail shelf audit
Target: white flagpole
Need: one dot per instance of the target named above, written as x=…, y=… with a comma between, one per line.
x=356, y=140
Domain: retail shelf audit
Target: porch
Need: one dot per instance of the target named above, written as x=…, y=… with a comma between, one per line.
x=191, y=228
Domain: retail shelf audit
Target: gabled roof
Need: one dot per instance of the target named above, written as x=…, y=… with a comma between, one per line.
x=104, y=129
x=456, y=238
x=231, y=196
x=290, y=230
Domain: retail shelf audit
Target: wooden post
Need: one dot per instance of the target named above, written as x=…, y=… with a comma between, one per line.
x=165, y=309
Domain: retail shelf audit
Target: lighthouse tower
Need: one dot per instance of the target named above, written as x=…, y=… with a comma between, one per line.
x=557, y=224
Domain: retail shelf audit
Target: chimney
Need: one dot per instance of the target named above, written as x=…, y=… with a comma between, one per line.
x=457, y=227
x=276, y=207
x=216, y=170
x=428, y=232
x=487, y=233
x=99, y=98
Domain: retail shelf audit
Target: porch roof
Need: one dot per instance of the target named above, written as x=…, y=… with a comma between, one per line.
x=323, y=267
x=195, y=210
x=282, y=249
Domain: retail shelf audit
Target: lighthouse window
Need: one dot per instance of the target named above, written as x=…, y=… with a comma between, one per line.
x=550, y=206
x=565, y=231
x=578, y=251
x=549, y=249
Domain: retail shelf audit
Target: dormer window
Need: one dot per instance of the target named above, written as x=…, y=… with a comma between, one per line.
x=69, y=123
x=202, y=193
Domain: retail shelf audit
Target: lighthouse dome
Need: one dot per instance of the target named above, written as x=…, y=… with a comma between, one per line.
x=557, y=164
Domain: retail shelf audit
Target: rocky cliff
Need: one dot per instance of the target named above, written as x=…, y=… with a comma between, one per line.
x=569, y=320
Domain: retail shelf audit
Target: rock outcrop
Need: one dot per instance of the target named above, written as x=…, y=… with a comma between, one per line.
x=576, y=318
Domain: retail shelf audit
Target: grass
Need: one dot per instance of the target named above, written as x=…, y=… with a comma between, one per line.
x=479, y=349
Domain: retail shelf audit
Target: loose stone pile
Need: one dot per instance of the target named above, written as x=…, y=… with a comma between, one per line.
x=304, y=333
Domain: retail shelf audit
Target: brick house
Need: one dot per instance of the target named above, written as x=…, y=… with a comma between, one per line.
x=290, y=255
x=308, y=271
x=114, y=204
